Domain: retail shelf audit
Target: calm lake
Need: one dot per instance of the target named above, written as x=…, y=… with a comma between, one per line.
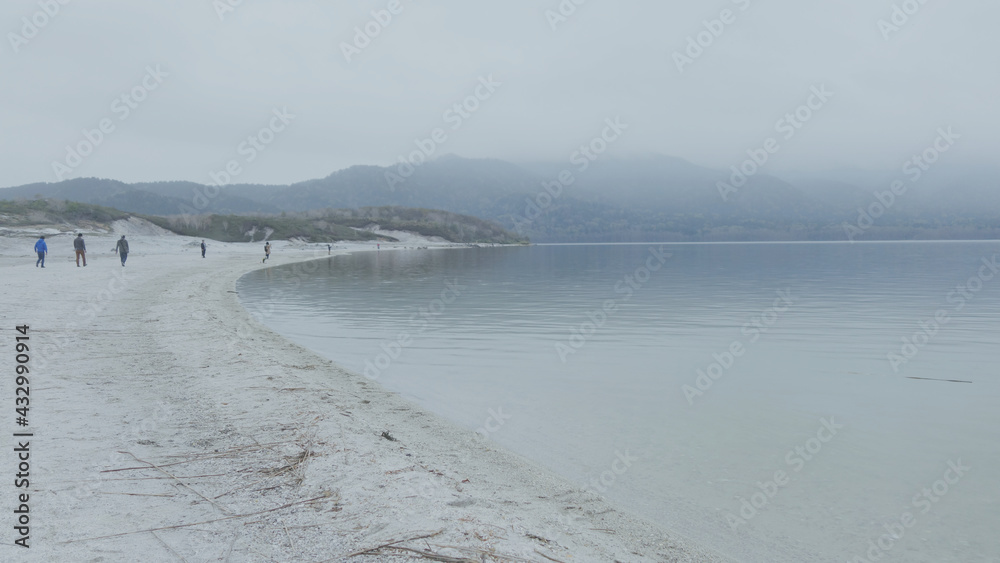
x=777, y=402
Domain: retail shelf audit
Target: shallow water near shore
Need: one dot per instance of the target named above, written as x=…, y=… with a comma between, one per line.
x=760, y=399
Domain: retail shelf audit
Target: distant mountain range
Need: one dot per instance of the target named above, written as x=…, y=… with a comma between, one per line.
x=607, y=200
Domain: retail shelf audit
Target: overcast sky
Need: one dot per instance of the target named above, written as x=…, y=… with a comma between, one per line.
x=222, y=74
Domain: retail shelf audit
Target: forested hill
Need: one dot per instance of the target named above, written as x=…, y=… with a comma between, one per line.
x=608, y=199
x=325, y=225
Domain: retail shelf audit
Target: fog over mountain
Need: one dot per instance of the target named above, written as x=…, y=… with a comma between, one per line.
x=781, y=119
x=611, y=199
x=290, y=91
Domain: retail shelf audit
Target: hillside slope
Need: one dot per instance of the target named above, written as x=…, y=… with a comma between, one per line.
x=327, y=225
x=609, y=199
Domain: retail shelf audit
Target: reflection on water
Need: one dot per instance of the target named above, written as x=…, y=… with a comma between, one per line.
x=719, y=372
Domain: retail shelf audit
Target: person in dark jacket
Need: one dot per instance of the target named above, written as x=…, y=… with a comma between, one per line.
x=42, y=249
x=81, y=249
x=203, y=248
x=122, y=249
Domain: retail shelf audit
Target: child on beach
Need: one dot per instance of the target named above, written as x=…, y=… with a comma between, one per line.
x=267, y=252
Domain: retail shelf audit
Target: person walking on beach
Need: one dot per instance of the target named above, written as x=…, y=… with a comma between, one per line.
x=203, y=247
x=329, y=249
x=42, y=249
x=267, y=252
x=122, y=249
x=81, y=249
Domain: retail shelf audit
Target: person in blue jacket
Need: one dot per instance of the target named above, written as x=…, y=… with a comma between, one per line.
x=42, y=249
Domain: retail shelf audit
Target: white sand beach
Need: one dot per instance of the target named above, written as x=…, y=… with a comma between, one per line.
x=169, y=425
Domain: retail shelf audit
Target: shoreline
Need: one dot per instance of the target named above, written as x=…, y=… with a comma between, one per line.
x=249, y=447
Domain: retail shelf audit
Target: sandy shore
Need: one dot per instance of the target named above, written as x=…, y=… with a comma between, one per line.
x=170, y=426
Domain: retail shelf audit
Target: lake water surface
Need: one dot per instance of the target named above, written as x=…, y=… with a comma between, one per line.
x=761, y=399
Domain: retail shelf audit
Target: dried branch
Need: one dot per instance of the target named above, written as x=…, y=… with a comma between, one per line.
x=179, y=482
x=289, y=505
x=370, y=550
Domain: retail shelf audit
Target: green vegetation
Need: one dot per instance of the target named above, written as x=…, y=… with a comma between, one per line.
x=238, y=228
x=426, y=222
x=325, y=225
x=55, y=211
x=328, y=225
